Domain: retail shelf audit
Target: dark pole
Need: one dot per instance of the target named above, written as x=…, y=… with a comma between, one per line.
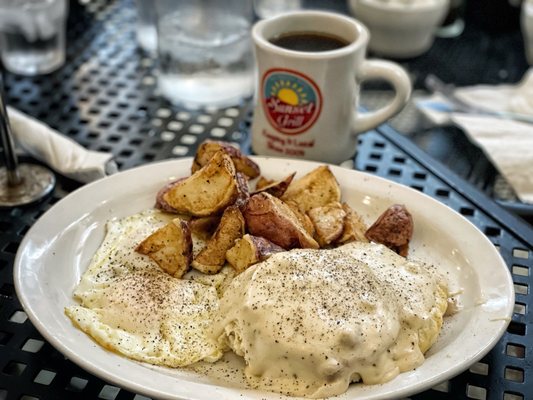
x=13, y=176
x=19, y=183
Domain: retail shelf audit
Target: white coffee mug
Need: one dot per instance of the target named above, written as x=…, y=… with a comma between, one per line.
x=306, y=102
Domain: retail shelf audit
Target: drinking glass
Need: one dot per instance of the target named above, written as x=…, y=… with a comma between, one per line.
x=271, y=8
x=146, y=31
x=32, y=35
x=204, y=50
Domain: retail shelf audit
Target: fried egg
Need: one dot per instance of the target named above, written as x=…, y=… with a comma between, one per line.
x=129, y=305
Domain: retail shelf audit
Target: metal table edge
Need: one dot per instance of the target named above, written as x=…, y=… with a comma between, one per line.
x=484, y=202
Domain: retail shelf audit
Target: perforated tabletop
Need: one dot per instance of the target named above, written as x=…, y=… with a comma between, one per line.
x=104, y=99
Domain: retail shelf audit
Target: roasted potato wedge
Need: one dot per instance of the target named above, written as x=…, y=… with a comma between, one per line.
x=354, y=227
x=170, y=247
x=315, y=189
x=277, y=188
x=250, y=250
x=328, y=221
x=208, y=149
x=302, y=217
x=271, y=218
x=262, y=182
x=207, y=191
x=393, y=228
x=211, y=258
x=243, y=191
x=204, y=227
x=160, y=203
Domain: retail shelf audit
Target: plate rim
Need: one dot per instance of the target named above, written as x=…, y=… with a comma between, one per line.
x=139, y=388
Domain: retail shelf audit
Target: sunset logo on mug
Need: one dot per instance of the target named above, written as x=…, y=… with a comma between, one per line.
x=292, y=101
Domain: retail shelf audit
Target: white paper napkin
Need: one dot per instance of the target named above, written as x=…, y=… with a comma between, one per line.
x=507, y=143
x=60, y=153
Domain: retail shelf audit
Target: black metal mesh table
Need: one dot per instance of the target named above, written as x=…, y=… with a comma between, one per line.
x=104, y=99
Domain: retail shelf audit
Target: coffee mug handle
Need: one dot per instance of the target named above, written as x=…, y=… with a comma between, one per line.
x=397, y=77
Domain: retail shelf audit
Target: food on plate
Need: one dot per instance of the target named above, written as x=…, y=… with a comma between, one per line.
x=393, y=228
x=302, y=217
x=250, y=250
x=212, y=257
x=160, y=203
x=262, y=182
x=288, y=277
x=269, y=217
x=354, y=226
x=243, y=190
x=309, y=322
x=276, y=188
x=209, y=148
x=315, y=189
x=129, y=305
x=170, y=247
x=204, y=227
x=328, y=221
x=207, y=191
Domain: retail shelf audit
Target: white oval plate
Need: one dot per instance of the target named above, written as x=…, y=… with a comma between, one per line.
x=57, y=250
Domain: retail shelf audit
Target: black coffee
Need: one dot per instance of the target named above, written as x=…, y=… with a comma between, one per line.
x=309, y=41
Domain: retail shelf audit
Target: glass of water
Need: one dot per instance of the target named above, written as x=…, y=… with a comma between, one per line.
x=146, y=32
x=205, y=52
x=32, y=35
x=271, y=8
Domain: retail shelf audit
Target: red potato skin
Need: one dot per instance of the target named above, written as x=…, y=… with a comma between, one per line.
x=263, y=220
x=250, y=250
x=160, y=202
x=264, y=228
x=393, y=228
x=264, y=247
x=277, y=189
x=242, y=163
x=244, y=191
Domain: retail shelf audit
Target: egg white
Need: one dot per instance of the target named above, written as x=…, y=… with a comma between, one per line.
x=129, y=305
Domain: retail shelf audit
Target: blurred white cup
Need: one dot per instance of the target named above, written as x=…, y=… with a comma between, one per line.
x=400, y=28
x=32, y=35
x=527, y=28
